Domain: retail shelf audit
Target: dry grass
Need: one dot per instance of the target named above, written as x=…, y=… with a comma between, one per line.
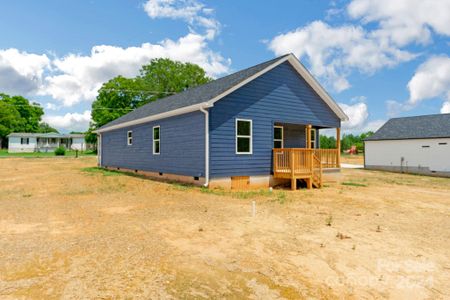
x=71, y=232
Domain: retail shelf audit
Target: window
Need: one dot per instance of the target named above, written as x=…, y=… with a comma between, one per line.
x=156, y=139
x=278, y=137
x=313, y=138
x=243, y=136
x=442, y=144
x=24, y=141
x=130, y=138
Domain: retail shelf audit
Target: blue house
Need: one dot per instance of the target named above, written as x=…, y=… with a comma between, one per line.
x=256, y=127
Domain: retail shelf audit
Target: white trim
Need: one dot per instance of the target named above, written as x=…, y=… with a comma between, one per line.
x=129, y=138
x=158, y=140
x=243, y=136
x=99, y=149
x=317, y=87
x=167, y=114
x=282, y=135
x=298, y=66
x=206, y=145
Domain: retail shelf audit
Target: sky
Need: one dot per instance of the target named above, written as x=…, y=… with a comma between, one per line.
x=377, y=58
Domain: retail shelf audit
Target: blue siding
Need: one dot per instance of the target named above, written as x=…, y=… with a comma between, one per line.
x=279, y=96
x=182, y=146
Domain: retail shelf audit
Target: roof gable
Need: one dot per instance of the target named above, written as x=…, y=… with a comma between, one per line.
x=419, y=127
x=207, y=94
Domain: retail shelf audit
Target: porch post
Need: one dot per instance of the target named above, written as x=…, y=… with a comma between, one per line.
x=338, y=146
x=308, y=136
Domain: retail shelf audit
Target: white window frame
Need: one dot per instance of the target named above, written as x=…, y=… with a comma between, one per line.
x=282, y=135
x=129, y=138
x=27, y=141
x=314, y=142
x=244, y=136
x=158, y=140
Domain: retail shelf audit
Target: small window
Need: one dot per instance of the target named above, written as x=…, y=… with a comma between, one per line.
x=24, y=141
x=130, y=138
x=278, y=137
x=442, y=144
x=156, y=139
x=313, y=138
x=243, y=136
x=425, y=146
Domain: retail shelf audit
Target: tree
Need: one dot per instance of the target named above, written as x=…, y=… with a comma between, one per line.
x=17, y=114
x=327, y=142
x=160, y=78
x=45, y=128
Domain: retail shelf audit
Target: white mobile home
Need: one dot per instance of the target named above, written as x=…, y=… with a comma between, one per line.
x=418, y=145
x=44, y=142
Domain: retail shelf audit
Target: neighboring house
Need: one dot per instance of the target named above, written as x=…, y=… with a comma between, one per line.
x=413, y=145
x=255, y=127
x=44, y=142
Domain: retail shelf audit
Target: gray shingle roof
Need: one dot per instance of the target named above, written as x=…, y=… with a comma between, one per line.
x=420, y=127
x=192, y=96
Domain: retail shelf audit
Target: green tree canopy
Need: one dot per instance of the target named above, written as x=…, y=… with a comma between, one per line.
x=160, y=78
x=45, y=128
x=347, y=141
x=17, y=114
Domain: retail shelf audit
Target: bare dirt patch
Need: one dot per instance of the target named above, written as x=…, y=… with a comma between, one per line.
x=68, y=232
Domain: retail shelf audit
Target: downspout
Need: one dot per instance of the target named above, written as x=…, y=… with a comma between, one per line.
x=203, y=110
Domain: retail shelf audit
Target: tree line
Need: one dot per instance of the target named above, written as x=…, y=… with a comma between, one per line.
x=18, y=114
x=347, y=141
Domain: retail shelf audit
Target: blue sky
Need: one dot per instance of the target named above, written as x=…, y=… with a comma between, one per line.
x=377, y=58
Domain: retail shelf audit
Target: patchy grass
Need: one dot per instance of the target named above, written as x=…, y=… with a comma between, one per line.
x=102, y=171
x=351, y=183
x=70, y=153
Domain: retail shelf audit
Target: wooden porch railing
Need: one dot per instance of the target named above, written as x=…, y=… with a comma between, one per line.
x=328, y=157
x=299, y=163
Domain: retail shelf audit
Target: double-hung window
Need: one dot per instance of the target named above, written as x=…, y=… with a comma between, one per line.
x=243, y=136
x=156, y=139
x=130, y=138
x=24, y=141
x=278, y=137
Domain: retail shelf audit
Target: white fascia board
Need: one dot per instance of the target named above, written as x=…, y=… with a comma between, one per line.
x=304, y=73
x=244, y=82
x=317, y=87
x=167, y=114
x=210, y=103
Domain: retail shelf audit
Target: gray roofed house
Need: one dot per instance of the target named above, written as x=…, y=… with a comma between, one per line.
x=236, y=131
x=193, y=95
x=418, y=127
x=419, y=144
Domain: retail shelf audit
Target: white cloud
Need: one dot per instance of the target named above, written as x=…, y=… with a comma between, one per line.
x=77, y=78
x=191, y=11
x=51, y=106
x=431, y=79
x=69, y=121
x=357, y=115
x=21, y=72
x=403, y=21
x=445, y=108
x=333, y=52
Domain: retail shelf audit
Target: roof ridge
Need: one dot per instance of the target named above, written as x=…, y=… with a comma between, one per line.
x=418, y=116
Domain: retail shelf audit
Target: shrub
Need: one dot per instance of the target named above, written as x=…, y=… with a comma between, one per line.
x=60, y=151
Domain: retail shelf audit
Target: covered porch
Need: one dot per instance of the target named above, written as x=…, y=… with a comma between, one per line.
x=297, y=154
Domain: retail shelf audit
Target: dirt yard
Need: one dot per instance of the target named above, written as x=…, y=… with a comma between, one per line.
x=68, y=230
